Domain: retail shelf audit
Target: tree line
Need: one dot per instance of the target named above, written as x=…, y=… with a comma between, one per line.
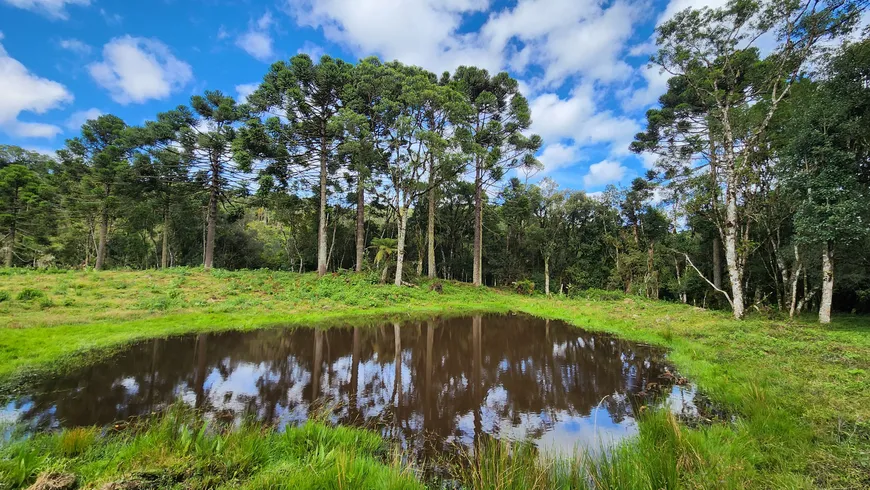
x=760, y=184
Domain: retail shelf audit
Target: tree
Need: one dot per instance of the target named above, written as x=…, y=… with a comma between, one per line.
x=823, y=161
x=162, y=168
x=722, y=98
x=307, y=96
x=364, y=123
x=419, y=109
x=551, y=214
x=19, y=189
x=101, y=151
x=499, y=118
x=208, y=136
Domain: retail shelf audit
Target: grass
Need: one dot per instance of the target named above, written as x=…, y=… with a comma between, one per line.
x=179, y=449
x=799, y=390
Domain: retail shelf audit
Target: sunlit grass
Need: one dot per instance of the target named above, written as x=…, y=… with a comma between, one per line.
x=799, y=391
x=181, y=449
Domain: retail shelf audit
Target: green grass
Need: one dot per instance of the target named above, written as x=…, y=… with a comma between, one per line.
x=799, y=390
x=180, y=450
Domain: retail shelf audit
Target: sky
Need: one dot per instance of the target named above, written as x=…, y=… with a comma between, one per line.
x=583, y=64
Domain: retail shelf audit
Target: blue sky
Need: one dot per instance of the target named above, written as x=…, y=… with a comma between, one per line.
x=581, y=63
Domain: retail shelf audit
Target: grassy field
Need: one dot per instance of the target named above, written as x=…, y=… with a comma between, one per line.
x=800, y=391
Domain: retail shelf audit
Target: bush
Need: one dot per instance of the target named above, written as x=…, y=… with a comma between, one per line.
x=525, y=287
x=4, y=296
x=597, y=294
x=29, y=294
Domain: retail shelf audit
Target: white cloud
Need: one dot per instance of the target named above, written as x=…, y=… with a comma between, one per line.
x=315, y=51
x=77, y=119
x=568, y=37
x=55, y=9
x=603, y=173
x=656, y=85
x=557, y=156
x=419, y=32
x=136, y=69
x=110, y=18
x=24, y=91
x=244, y=90
x=676, y=6
x=562, y=37
x=76, y=46
x=578, y=118
x=649, y=160
x=257, y=40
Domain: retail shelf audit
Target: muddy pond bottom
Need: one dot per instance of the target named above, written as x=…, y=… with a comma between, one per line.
x=435, y=386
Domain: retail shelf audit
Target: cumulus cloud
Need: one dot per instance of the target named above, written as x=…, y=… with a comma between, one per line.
x=77, y=119
x=567, y=37
x=23, y=91
x=74, y=45
x=656, y=84
x=54, y=9
x=561, y=37
x=579, y=118
x=420, y=32
x=244, y=90
x=257, y=40
x=557, y=156
x=136, y=69
x=603, y=173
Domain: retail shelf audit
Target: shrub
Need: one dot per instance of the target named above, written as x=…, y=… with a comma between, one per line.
x=4, y=296
x=598, y=294
x=525, y=286
x=29, y=294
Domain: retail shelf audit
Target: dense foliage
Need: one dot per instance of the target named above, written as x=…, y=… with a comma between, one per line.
x=761, y=186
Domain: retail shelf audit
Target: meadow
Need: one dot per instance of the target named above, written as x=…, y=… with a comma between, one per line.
x=798, y=391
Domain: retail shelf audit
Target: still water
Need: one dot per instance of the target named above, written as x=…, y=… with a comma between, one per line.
x=432, y=385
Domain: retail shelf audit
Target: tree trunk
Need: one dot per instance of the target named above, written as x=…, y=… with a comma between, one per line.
x=360, y=222
x=164, y=253
x=10, y=245
x=477, y=272
x=794, y=282
x=321, y=228
x=104, y=232
x=402, y=222
x=717, y=262
x=211, y=219
x=547, y=275
x=827, y=284
x=430, y=224
x=735, y=269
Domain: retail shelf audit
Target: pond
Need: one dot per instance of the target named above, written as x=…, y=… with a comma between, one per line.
x=435, y=385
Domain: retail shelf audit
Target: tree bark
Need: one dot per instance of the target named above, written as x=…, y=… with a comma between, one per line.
x=827, y=284
x=792, y=309
x=104, y=232
x=10, y=245
x=164, y=253
x=211, y=219
x=430, y=224
x=477, y=270
x=360, y=223
x=402, y=223
x=735, y=269
x=321, y=228
x=547, y=275
x=717, y=262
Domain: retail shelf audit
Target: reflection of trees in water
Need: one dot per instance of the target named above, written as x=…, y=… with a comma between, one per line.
x=462, y=377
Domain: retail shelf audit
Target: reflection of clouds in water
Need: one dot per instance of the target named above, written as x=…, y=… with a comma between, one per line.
x=459, y=380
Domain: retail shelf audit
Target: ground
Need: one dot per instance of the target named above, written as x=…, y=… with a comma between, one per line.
x=799, y=391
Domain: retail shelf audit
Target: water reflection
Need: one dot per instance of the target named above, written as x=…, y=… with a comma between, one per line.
x=429, y=384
